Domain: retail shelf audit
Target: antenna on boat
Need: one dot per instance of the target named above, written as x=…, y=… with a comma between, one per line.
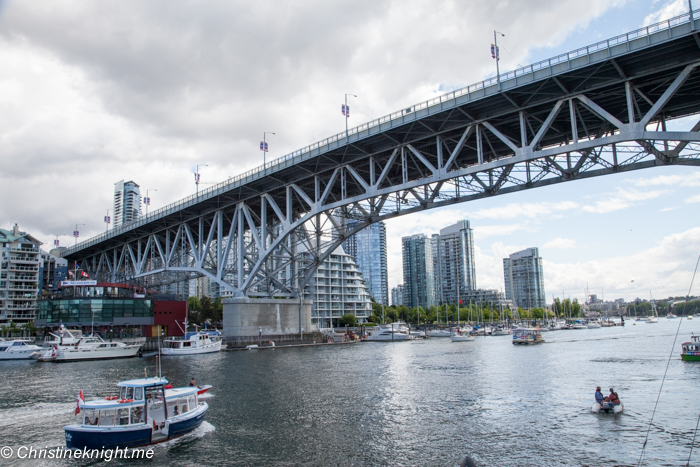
x=160, y=356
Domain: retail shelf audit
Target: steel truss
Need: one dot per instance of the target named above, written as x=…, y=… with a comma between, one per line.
x=271, y=243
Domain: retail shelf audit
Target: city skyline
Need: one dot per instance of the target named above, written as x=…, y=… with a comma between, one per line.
x=156, y=115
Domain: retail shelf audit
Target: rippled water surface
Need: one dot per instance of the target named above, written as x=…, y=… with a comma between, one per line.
x=405, y=403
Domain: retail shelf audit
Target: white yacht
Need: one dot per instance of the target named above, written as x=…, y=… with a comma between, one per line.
x=387, y=333
x=439, y=333
x=593, y=324
x=88, y=348
x=460, y=336
x=17, y=349
x=193, y=343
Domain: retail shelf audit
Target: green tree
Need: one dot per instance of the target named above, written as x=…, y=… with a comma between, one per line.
x=207, y=313
x=194, y=307
x=218, y=310
x=348, y=319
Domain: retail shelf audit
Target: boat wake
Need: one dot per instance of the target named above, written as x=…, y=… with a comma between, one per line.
x=205, y=396
x=21, y=415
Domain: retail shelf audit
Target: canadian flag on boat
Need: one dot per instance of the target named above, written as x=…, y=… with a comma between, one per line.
x=80, y=399
x=53, y=350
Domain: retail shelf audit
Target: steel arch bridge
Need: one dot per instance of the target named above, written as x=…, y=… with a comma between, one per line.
x=600, y=110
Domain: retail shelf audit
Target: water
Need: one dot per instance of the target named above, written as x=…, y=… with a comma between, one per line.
x=405, y=403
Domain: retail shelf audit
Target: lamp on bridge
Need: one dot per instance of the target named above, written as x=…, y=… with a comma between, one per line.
x=263, y=146
x=107, y=221
x=196, y=176
x=76, y=233
x=495, y=55
x=346, y=112
x=147, y=199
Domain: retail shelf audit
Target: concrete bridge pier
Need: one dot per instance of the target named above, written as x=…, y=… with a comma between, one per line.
x=243, y=317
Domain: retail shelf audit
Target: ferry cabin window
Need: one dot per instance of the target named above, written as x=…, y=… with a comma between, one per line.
x=138, y=394
x=127, y=393
x=186, y=344
x=123, y=416
x=91, y=416
x=137, y=414
x=107, y=417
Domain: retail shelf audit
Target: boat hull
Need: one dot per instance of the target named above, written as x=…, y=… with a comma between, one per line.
x=80, y=437
x=209, y=348
x=18, y=355
x=76, y=354
x=461, y=338
x=690, y=358
x=615, y=409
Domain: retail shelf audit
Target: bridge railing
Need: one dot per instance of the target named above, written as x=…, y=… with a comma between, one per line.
x=297, y=156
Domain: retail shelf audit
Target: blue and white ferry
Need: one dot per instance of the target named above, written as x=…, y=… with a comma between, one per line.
x=146, y=411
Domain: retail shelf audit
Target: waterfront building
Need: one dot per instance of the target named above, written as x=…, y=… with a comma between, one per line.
x=127, y=202
x=52, y=270
x=19, y=276
x=368, y=247
x=397, y=295
x=418, y=271
x=456, y=261
x=482, y=297
x=114, y=310
x=337, y=288
x=524, y=279
x=435, y=249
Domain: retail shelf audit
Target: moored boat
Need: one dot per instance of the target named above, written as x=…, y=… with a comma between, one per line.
x=17, y=349
x=143, y=413
x=691, y=350
x=439, y=333
x=193, y=343
x=527, y=336
x=387, y=333
x=89, y=348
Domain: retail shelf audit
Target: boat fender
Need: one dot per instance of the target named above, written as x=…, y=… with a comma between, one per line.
x=111, y=398
x=124, y=401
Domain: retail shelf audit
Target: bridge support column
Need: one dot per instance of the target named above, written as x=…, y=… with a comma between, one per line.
x=243, y=317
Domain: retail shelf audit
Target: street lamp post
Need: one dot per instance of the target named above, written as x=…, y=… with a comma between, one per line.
x=263, y=147
x=56, y=243
x=346, y=112
x=76, y=233
x=495, y=54
x=196, y=176
x=107, y=221
x=147, y=199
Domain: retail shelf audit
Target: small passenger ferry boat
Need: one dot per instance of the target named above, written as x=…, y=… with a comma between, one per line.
x=691, y=350
x=145, y=412
x=527, y=336
x=193, y=343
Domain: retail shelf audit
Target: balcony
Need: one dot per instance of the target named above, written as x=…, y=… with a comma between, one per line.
x=26, y=306
x=16, y=278
x=22, y=287
x=24, y=250
x=23, y=260
x=33, y=268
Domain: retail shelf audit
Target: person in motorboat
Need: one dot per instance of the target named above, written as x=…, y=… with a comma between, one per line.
x=192, y=383
x=599, y=396
x=612, y=399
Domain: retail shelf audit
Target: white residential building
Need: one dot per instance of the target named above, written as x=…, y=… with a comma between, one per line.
x=19, y=276
x=127, y=202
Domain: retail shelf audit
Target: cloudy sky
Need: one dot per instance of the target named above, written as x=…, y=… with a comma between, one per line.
x=95, y=92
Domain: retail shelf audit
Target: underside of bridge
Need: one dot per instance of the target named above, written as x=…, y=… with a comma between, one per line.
x=594, y=115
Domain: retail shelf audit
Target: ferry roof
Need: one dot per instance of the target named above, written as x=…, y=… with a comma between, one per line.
x=142, y=382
